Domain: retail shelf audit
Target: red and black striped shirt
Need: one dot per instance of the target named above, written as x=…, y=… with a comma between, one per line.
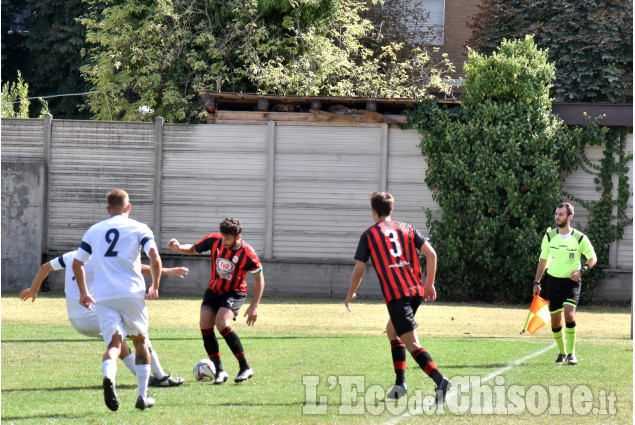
x=229, y=267
x=393, y=248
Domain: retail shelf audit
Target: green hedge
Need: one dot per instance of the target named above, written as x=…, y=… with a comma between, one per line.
x=496, y=165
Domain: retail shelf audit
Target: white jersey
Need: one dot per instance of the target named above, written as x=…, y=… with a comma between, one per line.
x=74, y=308
x=114, y=245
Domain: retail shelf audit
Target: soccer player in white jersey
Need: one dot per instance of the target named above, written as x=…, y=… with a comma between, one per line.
x=85, y=321
x=119, y=298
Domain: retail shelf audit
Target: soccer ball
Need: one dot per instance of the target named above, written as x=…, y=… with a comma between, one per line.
x=204, y=370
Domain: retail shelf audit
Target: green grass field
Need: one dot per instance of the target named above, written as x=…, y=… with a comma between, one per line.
x=314, y=362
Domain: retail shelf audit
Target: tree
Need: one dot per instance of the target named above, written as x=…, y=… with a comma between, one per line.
x=159, y=54
x=590, y=42
x=496, y=166
x=353, y=55
x=43, y=39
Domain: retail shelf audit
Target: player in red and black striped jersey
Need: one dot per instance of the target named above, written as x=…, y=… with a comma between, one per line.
x=394, y=250
x=232, y=258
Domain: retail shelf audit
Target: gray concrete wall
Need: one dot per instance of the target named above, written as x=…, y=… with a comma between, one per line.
x=22, y=214
x=282, y=278
x=616, y=287
x=319, y=279
x=37, y=151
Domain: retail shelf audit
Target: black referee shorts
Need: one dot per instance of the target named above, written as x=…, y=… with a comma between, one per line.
x=561, y=291
x=402, y=313
x=231, y=300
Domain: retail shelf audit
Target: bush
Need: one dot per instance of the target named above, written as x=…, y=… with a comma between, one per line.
x=496, y=165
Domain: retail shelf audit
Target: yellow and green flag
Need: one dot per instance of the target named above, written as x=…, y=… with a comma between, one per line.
x=538, y=315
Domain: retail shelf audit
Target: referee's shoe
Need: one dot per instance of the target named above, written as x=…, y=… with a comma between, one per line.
x=572, y=359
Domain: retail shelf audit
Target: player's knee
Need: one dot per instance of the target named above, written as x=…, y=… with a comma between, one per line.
x=222, y=323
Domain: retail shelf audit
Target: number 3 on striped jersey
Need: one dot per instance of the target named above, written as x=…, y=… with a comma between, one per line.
x=394, y=238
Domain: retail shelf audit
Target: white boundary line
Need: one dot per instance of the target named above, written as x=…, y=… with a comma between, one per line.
x=485, y=379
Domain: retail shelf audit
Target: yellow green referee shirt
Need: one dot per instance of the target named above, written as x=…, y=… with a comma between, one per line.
x=563, y=254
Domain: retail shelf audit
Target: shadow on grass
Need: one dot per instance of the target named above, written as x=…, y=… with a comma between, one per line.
x=92, y=387
x=194, y=338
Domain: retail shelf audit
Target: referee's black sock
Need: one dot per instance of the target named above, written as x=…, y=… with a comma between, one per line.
x=211, y=347
x=235, y=345
x=398, y=349
x=425, y=362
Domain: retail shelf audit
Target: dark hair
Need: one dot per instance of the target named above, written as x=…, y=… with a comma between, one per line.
x=117, y=198
x=568, y=206
x=382, y=203
x=230, y=226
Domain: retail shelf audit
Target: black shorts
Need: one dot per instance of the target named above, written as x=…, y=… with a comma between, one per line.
x=561, y=291
x=231, y=300
x=402, y=313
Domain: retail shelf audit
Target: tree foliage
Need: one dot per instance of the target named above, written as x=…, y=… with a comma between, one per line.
x=43, y=40
x=590, y=42
x=496, y=166
x=159, y=54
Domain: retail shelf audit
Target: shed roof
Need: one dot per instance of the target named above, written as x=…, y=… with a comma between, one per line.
x=340, y=110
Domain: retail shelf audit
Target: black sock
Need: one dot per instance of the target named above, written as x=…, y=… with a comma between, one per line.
x=398, y=349
x=425, y=362
x=235, y=345
x=211, y=347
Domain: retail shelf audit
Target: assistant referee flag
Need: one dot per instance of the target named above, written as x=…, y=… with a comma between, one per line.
x=538, y=315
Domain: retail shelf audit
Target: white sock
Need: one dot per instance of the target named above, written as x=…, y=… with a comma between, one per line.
x=129, y=361
x=109, y=368
x=155, y=364
x=143, y=373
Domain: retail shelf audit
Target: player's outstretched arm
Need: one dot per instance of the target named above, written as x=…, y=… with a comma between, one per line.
x=259, y=287
x=174, y=271
x=356, y=280
x=41, y=274
x=187, y=249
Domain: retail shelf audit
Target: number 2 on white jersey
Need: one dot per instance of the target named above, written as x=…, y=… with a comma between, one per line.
x=112, y=236
x=394, y=238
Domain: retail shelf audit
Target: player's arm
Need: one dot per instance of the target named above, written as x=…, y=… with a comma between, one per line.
x=41, y=274
x=174, y=271
x=356, y=280
x=431, y=271
x=577, y=274
x=155, y=270
x=542, y=265
x=259, y=287
x=85, y=298
x=187, y=249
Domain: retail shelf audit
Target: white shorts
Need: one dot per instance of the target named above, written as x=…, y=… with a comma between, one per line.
x=123, y=316
x=87, y=325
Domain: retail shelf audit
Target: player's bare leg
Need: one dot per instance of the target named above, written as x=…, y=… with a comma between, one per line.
x=142, y=367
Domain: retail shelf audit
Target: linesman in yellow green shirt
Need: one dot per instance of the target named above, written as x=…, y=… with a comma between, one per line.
x=561, y=252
